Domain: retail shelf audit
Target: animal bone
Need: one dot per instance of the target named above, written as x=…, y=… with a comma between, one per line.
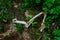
x=27, y=24
x=42, y=24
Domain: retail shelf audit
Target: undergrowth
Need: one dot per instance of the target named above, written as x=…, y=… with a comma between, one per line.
x=50, y=7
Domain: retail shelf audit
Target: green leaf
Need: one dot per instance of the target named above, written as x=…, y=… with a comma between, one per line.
x=57, y=38
x=34, y=23
x=28, y=18
x=56, y=32
x=1, y=26
x=37, y=1
x=45, y=9
x=19, y=28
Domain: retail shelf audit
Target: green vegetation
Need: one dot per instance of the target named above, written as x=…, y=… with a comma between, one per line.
x=56, y=32
x=19, y=28
x=50, y=7
x=57, y=38
x=5, y=16
x=1, y=26
x=5, y=6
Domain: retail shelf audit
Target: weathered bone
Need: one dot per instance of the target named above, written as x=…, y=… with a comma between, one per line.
x=27, y=24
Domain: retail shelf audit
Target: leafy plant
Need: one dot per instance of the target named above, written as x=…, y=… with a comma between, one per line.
x=1, y=27
x=28, y=18
x=5, y=4
x=30, y=4
x=5, y=14
x=19, y=28
x=56, y=32
x=34, y=23
x=51, y=8
x=46, y=37
x=37, y=1
x=57, y=38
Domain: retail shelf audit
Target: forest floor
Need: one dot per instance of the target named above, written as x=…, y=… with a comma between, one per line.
x=32, y=33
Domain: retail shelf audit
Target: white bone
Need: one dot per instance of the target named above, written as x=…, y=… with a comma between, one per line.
x=29, y=22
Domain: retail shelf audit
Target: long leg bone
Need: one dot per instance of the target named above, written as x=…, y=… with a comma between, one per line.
x=27, y=24
x=42, y=24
